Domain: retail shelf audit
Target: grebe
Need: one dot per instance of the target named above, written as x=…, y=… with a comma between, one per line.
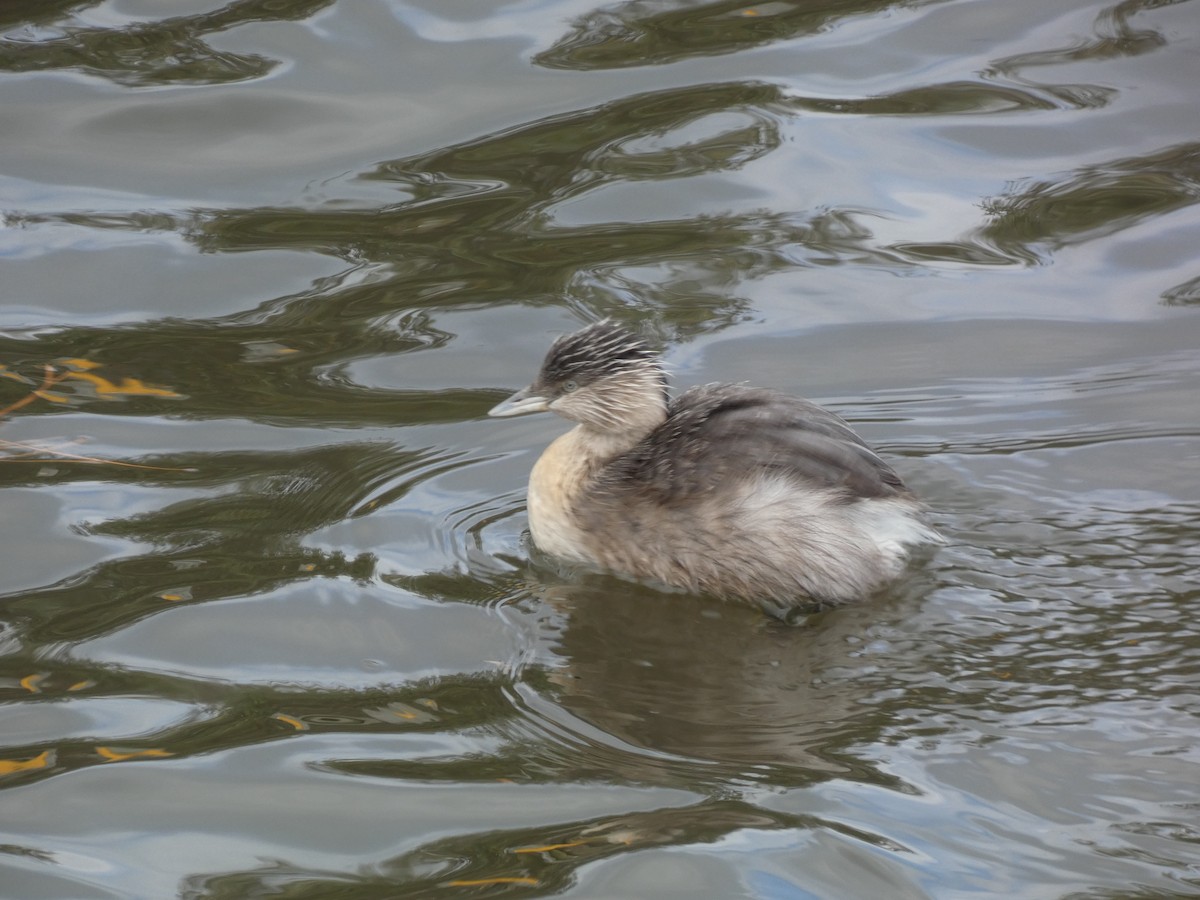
x=735, y=491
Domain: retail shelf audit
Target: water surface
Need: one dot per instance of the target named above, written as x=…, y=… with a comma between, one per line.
x=268, y=624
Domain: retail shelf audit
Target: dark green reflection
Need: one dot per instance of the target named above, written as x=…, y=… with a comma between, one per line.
x=243, y=715
x=641, y=33
x=520, y=862
x=162, y=52
x=1034, y=219
x=470, y=224
x=286, y=370
x=243, y=537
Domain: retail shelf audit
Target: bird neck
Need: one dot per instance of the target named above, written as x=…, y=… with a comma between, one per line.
x=599, y=446
x=624, y=410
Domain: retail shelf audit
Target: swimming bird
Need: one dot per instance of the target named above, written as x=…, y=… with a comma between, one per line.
x=736, y=491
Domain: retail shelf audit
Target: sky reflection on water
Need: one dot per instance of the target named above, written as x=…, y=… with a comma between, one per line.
x=268, y=625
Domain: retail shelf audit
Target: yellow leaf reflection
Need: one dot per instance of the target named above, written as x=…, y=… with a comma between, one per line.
x=548, y=847
x=114, y=755
x=32, y=683
x=41, y=761
x=127, y=387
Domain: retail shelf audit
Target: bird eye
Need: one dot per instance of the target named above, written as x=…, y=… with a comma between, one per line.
x=569, y=385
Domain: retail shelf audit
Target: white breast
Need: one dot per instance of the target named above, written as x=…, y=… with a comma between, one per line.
x=555, y=480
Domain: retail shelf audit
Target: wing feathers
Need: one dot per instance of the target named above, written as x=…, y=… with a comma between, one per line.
x=720, y=432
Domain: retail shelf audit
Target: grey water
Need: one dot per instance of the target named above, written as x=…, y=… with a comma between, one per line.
x=268, y=622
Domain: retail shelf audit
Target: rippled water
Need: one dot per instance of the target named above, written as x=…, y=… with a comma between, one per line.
x=268, y=626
